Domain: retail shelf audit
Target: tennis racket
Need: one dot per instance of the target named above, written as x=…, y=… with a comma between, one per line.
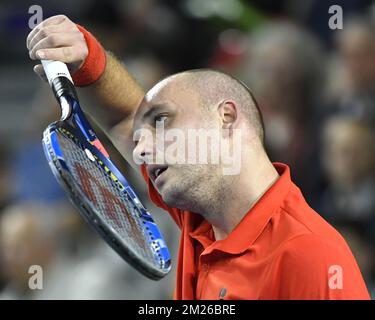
x=91, y=171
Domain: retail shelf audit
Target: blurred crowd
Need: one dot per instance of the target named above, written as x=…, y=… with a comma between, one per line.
x=315, y=87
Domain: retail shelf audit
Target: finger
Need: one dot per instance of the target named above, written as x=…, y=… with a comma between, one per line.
x=39, y=70
x=54, y=40
x=63, y=54
x=31, y=35
x=57, y=19
x=46, y=31
x=52, y=21
x=42, y=33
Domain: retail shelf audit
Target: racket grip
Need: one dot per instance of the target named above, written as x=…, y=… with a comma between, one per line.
x=61, y=83
x=55, y=69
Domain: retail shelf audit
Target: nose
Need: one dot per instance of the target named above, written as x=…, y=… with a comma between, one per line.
x=144, y=149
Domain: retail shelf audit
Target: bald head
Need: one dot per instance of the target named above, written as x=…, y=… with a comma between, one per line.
x=214, y=87
x=208, y=88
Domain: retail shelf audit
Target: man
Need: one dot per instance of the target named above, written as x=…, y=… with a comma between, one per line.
x=248, y=235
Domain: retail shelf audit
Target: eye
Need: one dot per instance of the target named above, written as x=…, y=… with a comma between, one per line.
x=160, y=118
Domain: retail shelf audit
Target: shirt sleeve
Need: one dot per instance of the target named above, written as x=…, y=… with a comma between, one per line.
x=314, y=269
x=158, y=201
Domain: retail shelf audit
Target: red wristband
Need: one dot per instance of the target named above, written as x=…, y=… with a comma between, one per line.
x=94, y=64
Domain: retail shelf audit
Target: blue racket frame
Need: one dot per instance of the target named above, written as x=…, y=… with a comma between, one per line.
x=88, y=140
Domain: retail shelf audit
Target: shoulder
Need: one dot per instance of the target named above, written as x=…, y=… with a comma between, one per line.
x=309, y=246
x=311, y=266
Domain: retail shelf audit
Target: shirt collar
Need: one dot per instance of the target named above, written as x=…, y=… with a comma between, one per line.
x=253, y=223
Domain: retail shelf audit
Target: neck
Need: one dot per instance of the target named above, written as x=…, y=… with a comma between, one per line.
x=242, y=194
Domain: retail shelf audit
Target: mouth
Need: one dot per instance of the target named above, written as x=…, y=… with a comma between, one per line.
x=156, y=171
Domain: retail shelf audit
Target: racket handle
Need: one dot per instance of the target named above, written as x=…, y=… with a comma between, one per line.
x=61, y=83
x=55, y=69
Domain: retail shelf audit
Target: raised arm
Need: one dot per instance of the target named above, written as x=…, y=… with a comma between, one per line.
x=58, y=38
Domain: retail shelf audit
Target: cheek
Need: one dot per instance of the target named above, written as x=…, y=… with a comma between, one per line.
x=179, y=149
x=184, y=142
x=183, y=175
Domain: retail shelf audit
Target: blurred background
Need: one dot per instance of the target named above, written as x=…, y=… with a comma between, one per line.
x=315, y=86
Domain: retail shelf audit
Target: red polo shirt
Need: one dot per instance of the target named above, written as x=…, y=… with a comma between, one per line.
x=281, y=249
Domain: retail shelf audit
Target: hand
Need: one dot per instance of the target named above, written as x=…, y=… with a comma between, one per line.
x=57, y=38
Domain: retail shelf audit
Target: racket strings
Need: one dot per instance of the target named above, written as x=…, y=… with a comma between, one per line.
x=110, y=202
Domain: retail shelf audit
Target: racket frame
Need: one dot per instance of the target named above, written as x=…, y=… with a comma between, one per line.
x=74, y=121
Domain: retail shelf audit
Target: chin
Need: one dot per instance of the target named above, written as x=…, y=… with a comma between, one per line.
x=173, y=196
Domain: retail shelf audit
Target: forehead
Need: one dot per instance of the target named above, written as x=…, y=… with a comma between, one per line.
x=160, y=89
x=170, y=94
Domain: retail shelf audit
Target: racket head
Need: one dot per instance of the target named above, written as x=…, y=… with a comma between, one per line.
x=105, y=200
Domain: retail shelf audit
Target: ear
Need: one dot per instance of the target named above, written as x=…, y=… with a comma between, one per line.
x=228, y=113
